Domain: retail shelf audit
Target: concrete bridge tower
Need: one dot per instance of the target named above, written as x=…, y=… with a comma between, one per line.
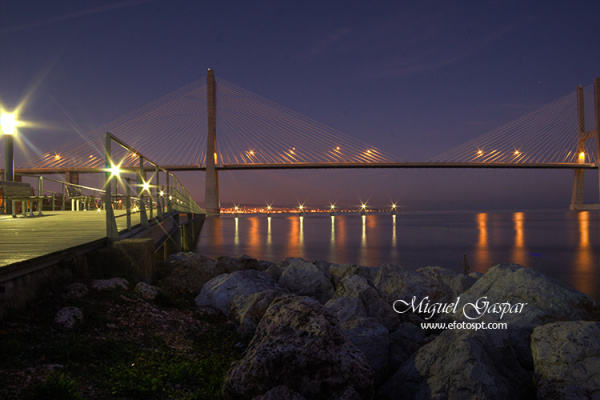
x=212, y=203
x=577, y=203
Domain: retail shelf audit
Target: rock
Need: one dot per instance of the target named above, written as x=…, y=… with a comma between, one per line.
x=355, y=298
x=462, y=364
x=75, y=291
x=68, y=317
x=220, y=291
x=280, y=392
x=399, y=283
x=404, y=342
x=566, y=358
x=181, y=256
x=241, y=263
x=475, y=275
x=304, y=278
x=373, y=340
x=148, y=292
x=248, y=310
x=300, y=345
x=456, y=281
x=324, y=267
x=346, y=394
x=274, y=271
x=110, y=284
x=543, y=301
x=340, y=271
x=190, y=272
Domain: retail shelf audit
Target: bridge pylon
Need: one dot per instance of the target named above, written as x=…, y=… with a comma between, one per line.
x=212, y=203
x=577, y=201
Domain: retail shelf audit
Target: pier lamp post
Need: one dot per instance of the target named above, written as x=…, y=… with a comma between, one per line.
x=332, y=211
x=8, y=126
x=393, y=212
x=300, y=210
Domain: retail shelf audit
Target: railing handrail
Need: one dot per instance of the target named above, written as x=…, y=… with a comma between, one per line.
x=176, y=195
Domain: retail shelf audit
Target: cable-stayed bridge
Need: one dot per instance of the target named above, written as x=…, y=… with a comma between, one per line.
x=255, y=133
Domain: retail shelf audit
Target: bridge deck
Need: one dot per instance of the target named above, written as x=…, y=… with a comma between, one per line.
x=328, y=165
x=22, y=238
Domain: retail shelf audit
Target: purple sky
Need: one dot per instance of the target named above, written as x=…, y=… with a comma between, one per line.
x=413, y=78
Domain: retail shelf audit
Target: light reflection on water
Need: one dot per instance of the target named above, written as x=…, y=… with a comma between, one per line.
x=564, y=245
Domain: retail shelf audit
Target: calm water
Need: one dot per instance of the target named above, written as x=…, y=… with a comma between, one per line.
x=562, y=244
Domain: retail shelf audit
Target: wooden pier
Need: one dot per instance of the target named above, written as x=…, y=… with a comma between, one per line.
x=25, y=238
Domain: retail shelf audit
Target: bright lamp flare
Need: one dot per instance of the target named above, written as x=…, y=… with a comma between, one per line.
x=8, y=123
x=115, y=170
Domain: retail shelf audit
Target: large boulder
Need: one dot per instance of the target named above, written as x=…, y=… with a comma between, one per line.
x=457, y=282
x=404, y=342
x=189, y=272
x=373, y=339
x=399, y=283
x=220, y=291
x=300, y=345
x=304, y=278
x=241, y=263
x=523, y=298
x=462, y=364
x=248, y=309
x=566, y=357
x=356, y=297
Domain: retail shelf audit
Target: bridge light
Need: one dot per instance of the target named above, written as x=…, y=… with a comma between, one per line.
x=146, y=186
x=57, y=157
x=582, y=157
x=162, y=193
x=338, y=148
x=332, y=206
x=517, y=153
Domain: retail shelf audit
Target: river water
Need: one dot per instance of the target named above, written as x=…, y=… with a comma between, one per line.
x=564, y=245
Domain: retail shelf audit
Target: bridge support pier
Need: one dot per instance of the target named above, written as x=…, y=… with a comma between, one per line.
x=212, y=203
x=577, y=196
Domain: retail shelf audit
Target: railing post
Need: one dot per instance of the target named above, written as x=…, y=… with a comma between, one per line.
x=62, y=207
x=143, y=216
x=128, y=202
x=40, y=193
x=169, y=194
x=112, y=232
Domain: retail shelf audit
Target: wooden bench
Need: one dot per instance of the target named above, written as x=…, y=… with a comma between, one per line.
x=76, y=196
x=23, y=192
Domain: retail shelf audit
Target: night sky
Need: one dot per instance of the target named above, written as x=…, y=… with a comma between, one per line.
x=412, y=78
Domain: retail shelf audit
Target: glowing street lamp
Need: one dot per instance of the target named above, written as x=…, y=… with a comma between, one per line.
x=300, y=210
x=332, y=212
x=582, y=157
x=8, y=124
x=363, y=209
x=393, y=212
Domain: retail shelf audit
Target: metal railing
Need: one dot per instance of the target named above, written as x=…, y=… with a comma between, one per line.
x=151, y=195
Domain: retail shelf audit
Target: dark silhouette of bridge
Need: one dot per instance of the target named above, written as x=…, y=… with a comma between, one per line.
x=256, y=134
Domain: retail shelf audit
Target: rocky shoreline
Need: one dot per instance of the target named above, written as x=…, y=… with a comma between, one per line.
x=325, y=331
x=240, y=328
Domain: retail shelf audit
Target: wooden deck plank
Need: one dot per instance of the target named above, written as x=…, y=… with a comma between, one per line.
x=26, y=238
